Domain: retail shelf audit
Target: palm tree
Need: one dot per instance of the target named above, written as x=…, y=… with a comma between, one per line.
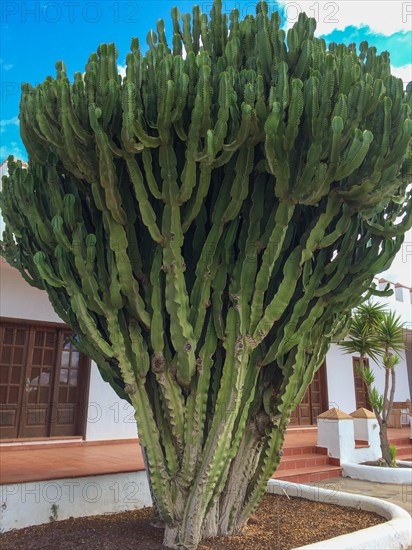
x=379, y=334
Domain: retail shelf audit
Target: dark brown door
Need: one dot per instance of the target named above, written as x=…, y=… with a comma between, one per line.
x=13, y=360
x=302, y=415
x=318, y=394
x=37, y=395
x=43, y=380
x=361, y=392
x=314, y=401
x=69, y=399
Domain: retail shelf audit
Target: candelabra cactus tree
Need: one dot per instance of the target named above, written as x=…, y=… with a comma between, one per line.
x=205, y=225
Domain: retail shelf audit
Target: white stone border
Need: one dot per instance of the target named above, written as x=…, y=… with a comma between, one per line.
x=24, y=505
x=35, y=502
x=378, y=473
x=394, y=534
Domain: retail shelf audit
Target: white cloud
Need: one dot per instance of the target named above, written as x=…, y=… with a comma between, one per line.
x=385, y=17
x=404, y=72
x=8, y=122
x=122, y=70
x=12, y=149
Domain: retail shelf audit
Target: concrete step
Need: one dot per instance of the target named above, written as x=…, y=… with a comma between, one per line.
x=306, y=449
x=302, y=430
x=403, y=450
x=313, y=473
x=302, y=461
x=400, y=441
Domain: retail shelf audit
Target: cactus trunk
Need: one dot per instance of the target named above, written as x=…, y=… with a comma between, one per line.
x=205, y=225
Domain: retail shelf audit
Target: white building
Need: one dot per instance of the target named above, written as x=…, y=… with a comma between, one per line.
x=49, y=390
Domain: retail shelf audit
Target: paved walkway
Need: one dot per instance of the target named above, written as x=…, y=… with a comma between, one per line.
x=397, y=494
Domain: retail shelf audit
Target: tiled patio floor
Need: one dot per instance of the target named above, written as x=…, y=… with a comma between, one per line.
x=79, y=459
x=69, y=461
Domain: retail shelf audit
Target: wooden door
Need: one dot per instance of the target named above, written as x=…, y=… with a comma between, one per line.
x=302, y=413
x=314, y=401
x=69, y=399
x=361, y=391
x=13, y=358
x=39, y=380
x=43, y=382
x=318, y=391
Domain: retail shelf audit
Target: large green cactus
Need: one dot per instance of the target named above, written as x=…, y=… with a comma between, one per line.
x=205, y=225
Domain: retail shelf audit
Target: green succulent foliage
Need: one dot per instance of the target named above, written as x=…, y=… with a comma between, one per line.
x=391, y=333
x=394, y=451
x=205, y=225
x=367, y=375
x=362, y=337
x=376, y=399
x=374, y=329
x=392, y=361
x=380, y=334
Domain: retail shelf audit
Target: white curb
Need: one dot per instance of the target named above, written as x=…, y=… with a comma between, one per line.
x=377, y=473
x=394, y=534
x=35, y=502
x=19, y=511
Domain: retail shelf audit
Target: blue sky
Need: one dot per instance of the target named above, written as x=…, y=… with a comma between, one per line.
x=35, y=34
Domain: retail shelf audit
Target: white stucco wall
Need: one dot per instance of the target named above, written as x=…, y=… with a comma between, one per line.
x=341, y=387
x=26, y=504
x=338, y=437
x=361, y=428
x=108, y=416
x=331, y=432
x=401, y=378
x=20, y=300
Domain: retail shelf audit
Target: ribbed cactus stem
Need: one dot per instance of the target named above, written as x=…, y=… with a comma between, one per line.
x=204, y=225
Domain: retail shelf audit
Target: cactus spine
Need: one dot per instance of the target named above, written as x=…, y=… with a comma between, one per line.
x=204, y=225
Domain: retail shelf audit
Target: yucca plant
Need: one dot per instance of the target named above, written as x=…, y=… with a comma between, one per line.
x=379, y=334
x=205, y=225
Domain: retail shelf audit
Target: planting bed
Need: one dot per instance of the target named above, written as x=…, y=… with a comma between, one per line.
x=280, y=523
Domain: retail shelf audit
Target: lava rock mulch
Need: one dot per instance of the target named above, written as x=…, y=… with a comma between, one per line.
x=280, y=523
